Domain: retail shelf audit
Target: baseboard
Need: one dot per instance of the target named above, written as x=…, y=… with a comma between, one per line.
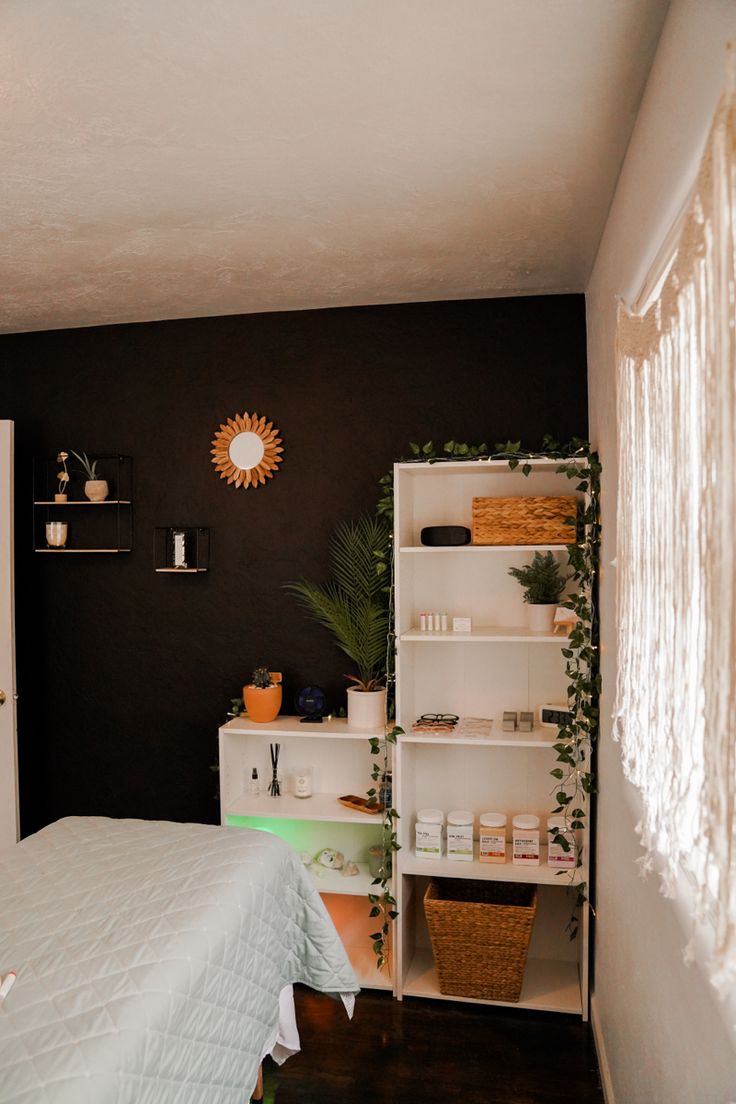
x=600, y=1047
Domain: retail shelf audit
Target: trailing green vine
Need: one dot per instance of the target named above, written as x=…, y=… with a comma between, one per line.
x=574, y=777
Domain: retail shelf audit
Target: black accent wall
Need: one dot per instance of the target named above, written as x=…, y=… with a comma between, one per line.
x=124, y=675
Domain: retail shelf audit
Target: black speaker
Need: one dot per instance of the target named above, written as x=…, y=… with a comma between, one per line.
x=437, y=535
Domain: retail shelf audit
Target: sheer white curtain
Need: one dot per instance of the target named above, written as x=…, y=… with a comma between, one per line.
x=675, y=711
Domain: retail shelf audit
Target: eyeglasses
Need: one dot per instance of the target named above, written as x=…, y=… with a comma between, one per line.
x=435, y=722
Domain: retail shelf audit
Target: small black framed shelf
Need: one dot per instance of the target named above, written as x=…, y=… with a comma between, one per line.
x=181, y=550
x=91, y=527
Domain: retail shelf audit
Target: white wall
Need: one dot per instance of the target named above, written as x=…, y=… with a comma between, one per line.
x=664, y=1034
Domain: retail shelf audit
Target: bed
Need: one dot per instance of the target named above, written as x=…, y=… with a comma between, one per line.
x=152, y=959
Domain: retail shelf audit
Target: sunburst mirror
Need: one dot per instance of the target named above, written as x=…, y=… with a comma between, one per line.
x=246, y=450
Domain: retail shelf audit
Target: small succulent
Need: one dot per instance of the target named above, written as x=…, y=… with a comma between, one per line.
x=262, y=678
x=543, y=585
x=89, y=466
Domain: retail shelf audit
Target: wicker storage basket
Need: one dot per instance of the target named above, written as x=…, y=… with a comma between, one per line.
x=523, y=520
x=480, y=934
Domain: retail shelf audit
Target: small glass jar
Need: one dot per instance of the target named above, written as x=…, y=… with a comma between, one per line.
x=302, y=781
x=56, y=534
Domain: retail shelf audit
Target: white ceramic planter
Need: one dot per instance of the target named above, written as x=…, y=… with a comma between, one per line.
x=366, y=710
x=96, y=490
x=541, y=618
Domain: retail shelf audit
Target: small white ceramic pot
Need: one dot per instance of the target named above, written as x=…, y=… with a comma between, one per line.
x=541, y=618
x=367, y=709
x=96, y=490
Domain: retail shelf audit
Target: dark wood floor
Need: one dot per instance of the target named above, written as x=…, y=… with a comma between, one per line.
x=420, y=1050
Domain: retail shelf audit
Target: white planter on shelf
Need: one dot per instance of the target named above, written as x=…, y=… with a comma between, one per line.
x=541, y=618
x=366, y=709
x=96, y=490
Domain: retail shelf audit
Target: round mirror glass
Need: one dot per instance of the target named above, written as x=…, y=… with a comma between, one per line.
x=246, y=450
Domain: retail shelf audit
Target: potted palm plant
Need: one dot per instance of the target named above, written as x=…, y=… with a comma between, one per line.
x=353, y=605
x=543, y=586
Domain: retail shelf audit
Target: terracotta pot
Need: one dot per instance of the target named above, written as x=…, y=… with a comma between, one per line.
x=367, y=709
x=60, y=498
x=541, y=618
x=96, y=490
x=263, y=703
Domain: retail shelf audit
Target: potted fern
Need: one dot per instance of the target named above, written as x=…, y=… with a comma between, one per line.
x=262, y=696
x=96, y=489
x=353, y=605
x=543, y=586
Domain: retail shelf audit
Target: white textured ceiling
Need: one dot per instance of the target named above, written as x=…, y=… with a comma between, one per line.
x=172, y=158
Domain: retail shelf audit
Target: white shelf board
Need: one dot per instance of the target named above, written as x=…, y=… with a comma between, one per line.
x=83, y=502
x=483, y=634
x=549, y=985
x=331, y=728
x=478, y=549
x=468, y=467
x=333, y=881
x=68, y=551
x=537, y=738
x=320, y=806
x=180, y=570
x=408, y=863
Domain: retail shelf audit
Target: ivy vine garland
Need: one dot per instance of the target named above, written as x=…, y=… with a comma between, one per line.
x=574, y=776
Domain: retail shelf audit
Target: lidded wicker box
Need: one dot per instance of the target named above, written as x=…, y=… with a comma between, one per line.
x=528, y=520
x=480, y=934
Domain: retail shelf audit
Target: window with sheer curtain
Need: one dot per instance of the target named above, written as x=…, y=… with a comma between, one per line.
x=675, y=710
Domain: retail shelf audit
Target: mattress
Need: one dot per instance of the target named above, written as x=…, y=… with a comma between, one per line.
x=150, y=957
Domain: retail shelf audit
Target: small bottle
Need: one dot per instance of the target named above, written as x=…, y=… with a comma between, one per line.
x=429, y=833
x=557, y=856
x=422, y=622
x=443, y=622
x=255, y=788
x=436, y=622
x=526, y=840
x=460, y=835
x=492, y=837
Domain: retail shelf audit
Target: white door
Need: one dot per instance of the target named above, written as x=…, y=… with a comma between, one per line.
x=8, y=745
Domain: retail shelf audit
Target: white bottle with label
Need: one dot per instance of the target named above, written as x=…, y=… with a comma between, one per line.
x=460, y=835
x=429, y=834
x=526, y=840
x=557, y=856
x=492, y=838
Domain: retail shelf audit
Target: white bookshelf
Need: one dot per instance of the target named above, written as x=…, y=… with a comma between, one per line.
x=341, y=762
x=499, y=666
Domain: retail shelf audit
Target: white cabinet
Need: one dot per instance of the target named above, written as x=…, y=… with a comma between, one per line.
x=499, y=666
x=341, y=763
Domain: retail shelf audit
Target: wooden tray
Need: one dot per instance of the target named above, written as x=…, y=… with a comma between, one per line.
x=360, y=804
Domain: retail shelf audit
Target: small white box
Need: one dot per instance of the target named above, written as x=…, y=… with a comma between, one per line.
x=462, y=624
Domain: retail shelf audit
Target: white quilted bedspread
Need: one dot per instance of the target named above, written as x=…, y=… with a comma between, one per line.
x=150, y=957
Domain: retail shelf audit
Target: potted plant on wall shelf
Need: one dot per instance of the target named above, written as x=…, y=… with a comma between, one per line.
x=543, y=586
x=96, y=489
x=262, y=696
x=354, y=607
